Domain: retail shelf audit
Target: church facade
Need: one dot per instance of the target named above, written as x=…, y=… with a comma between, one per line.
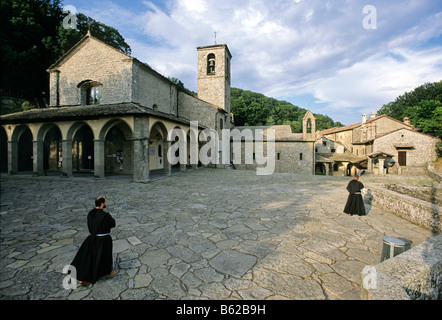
x=111, y=114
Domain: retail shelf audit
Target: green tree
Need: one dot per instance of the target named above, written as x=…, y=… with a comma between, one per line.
x=67, y=38
x=255, y=109
x=420, y=105
x=32, y=38
x=27, y=38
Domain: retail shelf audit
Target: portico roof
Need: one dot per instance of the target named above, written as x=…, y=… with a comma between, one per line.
x=84, y=112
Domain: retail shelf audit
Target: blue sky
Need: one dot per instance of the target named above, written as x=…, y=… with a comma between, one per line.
x=328, y=56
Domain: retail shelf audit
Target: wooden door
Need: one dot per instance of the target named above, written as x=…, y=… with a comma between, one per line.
x=402, y=155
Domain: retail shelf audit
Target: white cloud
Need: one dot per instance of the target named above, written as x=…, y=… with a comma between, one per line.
x=380, y=78
x=286, y=48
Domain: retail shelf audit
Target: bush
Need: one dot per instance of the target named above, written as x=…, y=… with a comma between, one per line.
x=27, y=106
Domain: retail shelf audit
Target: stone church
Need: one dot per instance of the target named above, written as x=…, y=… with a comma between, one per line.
x=111, y=114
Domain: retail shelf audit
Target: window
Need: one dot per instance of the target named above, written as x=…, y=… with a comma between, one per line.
x=333, y=150
x=211, y=64
x=90, y=92
x=93, y=96
x=300, y=156
x=278, y=156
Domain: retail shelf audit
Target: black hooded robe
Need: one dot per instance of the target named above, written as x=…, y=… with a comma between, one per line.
x=94, y=258
x=355, y=203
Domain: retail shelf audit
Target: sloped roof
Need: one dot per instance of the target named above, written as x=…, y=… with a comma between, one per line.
x=356, y=125
x=84, y=112
x=282, y=132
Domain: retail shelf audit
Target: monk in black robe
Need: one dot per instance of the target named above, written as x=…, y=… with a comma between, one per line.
x=94, y=258
x=355, y=203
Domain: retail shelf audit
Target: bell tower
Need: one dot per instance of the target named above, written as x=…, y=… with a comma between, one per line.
x=214, y=75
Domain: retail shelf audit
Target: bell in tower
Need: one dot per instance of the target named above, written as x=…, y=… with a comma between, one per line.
x=211, y=64
x=214, y=75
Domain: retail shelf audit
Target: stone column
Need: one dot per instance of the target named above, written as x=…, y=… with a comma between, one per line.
x=141, y=149
x=99, y=158
x=141, y=160
x=381, y=167
x=327, y=168
x=12, y=157
x=66, y=170
x=38, y=161
x=167, y=164
x=370, y=164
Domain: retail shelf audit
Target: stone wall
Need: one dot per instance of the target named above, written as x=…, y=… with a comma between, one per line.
x=96, y=61
x=287, y=157
x=422, y=152
x=153, y=90
x=194, y=109
x=422, y=213
x=430, y=193
x=415, y=274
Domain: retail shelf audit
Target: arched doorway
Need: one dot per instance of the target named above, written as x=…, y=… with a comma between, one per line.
x=25, y=150
x=320, y=169
x=157, y=146
x=52, y=150
x=119, y=149
x=83, y=150
x=3, y=150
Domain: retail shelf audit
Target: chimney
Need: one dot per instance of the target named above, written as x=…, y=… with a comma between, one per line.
x=364, y=118
x=372, y=115
x=407, y=121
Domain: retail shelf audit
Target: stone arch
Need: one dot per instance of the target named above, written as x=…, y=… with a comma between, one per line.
x=51, y=137
x=118, y=147
x=157, y=146
x=22, y=149
x=320, y=168
x=82, y=137
x=89, y=92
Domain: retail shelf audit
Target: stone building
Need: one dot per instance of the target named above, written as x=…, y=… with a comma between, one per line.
x=384, y=145
x=334, y=159
x=112, y=114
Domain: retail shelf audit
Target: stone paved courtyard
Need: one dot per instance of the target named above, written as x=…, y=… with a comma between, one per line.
x=203, y=234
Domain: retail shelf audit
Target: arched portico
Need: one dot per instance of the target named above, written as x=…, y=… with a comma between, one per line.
x=21, y=150
x=114, y=149
x=130, y=145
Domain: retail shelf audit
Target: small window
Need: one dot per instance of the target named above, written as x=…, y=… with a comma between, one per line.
x=278, y=156
x=93, y=96
x=324, y=143
x=333, y=150
x=90, y=92
x=300, y=156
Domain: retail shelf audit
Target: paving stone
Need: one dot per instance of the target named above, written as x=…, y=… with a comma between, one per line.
x=204, y=234
x=233, y=263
